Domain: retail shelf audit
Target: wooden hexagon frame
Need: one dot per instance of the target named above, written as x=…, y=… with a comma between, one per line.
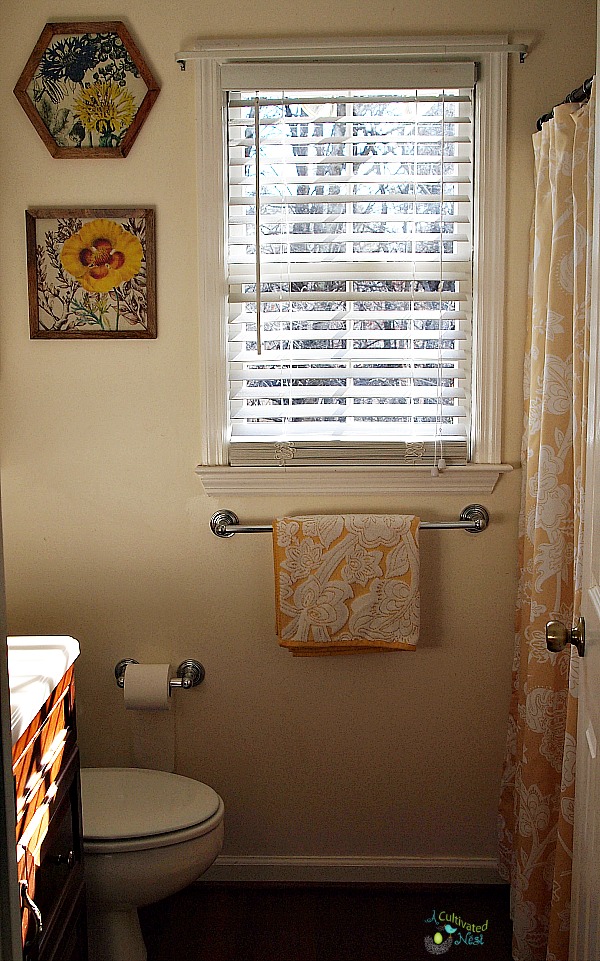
x=69, y=96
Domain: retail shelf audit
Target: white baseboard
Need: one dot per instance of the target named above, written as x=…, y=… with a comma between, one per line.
x=352, y=870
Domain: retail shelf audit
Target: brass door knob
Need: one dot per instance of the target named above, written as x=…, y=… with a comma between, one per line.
x=558, y=636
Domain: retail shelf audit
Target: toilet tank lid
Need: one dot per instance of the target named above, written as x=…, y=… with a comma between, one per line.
x=135, y=802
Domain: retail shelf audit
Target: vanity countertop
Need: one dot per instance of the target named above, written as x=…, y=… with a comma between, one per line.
x=35, y=666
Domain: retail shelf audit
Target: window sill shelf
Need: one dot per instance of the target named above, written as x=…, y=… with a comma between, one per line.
x=270, y=481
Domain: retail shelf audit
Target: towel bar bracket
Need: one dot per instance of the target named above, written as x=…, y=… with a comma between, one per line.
x=479, y=516
x=473, y=519
x=220, y=522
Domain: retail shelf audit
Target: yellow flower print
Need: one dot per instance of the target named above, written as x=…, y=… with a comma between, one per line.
x=102, y=255
x=105, y=106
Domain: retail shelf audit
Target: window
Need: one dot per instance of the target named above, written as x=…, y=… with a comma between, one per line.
x=342, y=260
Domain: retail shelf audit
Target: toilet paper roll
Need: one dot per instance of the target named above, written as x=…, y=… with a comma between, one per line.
x=151, y=723
x=146, y=687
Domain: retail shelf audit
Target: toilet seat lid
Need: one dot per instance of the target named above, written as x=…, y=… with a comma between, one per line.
x=135, y=802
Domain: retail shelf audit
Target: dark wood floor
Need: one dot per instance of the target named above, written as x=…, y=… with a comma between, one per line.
x=331, y=923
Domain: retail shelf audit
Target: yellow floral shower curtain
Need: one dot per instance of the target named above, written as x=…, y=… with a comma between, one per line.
x=538, y=783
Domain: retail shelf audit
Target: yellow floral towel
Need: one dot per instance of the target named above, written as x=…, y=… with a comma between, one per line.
x=347, y=583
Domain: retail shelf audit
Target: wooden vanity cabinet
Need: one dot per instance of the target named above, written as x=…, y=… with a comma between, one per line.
x=49, y=831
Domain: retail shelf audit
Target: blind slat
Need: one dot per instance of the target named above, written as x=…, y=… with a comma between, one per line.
x=330, y=431
x=409, y=99
x=376, y=139
x=322, y=200
x=370, y=354
x=331, y=408
x=353, y=333
x=415, y=317
x=409, y=375
x=349, y=238
x=410, y=216
x=339, y=120
x=342, y=159
x=412, y=393
x=351, y=178
x=243, y=375
x=297, y=271
x=308, y=296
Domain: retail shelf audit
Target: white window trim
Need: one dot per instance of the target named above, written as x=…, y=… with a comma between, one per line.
x=485, y=468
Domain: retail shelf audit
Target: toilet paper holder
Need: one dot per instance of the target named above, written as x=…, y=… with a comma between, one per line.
x=190, y=673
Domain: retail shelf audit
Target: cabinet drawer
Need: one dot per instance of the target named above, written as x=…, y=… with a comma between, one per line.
x=60, y=852
x=52, y=860
x=49, y=832
x=41, y=752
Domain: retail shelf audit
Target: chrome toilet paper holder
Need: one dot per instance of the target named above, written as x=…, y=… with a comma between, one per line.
x=190, y=673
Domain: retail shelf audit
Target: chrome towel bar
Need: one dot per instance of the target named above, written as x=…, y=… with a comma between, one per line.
x=473, y=520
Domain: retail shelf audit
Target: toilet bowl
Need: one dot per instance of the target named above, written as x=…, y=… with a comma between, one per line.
x=146, y=835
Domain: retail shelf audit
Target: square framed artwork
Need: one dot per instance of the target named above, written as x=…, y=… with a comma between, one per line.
x=86, y=89
x=91, y=272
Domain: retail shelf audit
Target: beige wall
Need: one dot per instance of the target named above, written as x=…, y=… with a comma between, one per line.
x=106, y=525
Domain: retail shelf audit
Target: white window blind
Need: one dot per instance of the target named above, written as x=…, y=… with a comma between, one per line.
x=350, y=271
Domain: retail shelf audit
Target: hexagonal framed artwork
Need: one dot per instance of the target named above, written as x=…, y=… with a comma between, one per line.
x=86, y=89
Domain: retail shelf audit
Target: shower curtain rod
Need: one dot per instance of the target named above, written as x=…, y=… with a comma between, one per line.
x=473, y=519
x=579, y=95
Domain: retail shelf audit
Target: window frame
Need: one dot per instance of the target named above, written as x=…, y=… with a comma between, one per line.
x=484, y=468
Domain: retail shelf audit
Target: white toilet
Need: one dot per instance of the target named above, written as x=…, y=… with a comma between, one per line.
x=146, y=835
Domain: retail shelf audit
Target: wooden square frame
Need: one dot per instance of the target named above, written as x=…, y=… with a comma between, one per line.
x=91, y=272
